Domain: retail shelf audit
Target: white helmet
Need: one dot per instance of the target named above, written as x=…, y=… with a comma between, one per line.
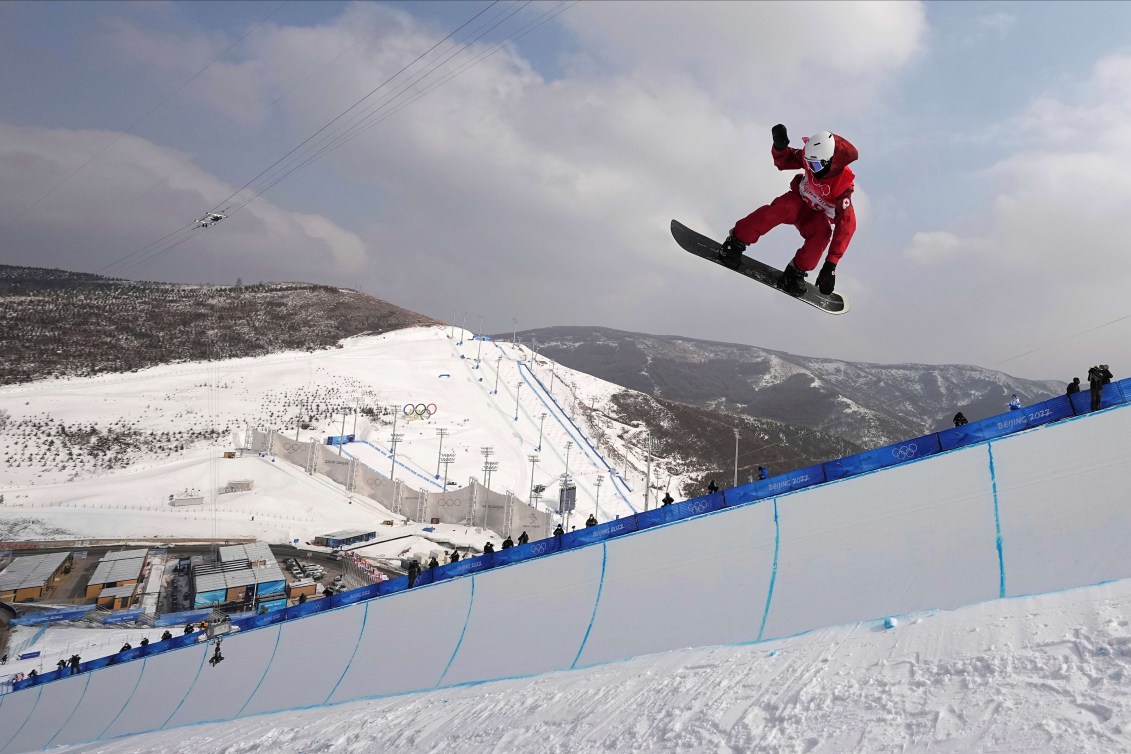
x=819, y=151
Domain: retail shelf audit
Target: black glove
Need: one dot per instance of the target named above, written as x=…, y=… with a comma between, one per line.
x=781, y=138
x=826, y=280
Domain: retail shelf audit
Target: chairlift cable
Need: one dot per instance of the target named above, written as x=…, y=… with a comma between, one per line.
x=138, y=122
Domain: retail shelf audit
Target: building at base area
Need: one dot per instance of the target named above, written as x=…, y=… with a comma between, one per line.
x=244, y=577
x=345, y=538
x=28, y=578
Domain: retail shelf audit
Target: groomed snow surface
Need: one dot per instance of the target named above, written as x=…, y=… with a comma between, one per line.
x=1033, y=674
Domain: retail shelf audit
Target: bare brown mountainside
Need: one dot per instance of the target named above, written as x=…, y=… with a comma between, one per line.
x=59, y=323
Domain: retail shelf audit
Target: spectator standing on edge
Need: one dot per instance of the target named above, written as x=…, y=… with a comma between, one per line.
x=413, y=572
x=1014, y=403
x=433, y=563
x=125, y=646
x=668, y=499
x=61, y=664
x=489, y=547
x=959, y=419
x=74, y=663
x=508, y=543
x=558, y=530
x=591, y=521
x=188, y=628
x=523, y=538
x=712, y=487
x=1073, y=387
x=763, y=472
x=1098, y=376
x=165, y=636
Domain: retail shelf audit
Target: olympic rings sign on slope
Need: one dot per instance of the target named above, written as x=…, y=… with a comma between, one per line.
x=448, y=502
x=292, y=447
x=903, y=452
x=420, y=410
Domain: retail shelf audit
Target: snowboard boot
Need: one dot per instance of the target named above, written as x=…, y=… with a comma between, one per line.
x=730, y=253
x=792, y=281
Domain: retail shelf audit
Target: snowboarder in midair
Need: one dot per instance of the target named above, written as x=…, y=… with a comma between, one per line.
x=818, y=203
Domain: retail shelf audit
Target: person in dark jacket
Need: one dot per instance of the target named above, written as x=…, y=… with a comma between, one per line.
x=413, y=572
x=166, y=636
x=1073, y=387
x=73, y=662
x=523, y=538
x=668, y=499
x=32, y=673
x=61, y=664
x=145, y=641
x=763, y=472
x=489, y=547
x=508, y=543
x=1098, y=376
x=433, y=563
x=558, y=530
x=188, y=628
x=959, y=419
x=454, y=558
x=712, y=487
x=591, y=521
x=126, y=646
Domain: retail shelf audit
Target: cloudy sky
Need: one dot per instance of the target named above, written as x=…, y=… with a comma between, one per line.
x=528, y=160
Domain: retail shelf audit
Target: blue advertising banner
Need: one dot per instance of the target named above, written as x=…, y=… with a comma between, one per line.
x=185, y=616
x=50, y=616
x=123, y=616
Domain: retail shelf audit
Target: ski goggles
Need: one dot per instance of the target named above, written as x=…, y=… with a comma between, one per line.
x=816, y=165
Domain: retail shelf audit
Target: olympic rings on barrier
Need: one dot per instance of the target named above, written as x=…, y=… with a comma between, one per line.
x=699, y=507
x=448, y=502
x=538, y=548
x=291, y=447
x=903, y=452
x=420, y=410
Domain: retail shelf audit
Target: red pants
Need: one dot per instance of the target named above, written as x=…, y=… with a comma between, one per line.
x=789, y=208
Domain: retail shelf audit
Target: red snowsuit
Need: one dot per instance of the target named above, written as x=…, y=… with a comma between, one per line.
x=815, y=206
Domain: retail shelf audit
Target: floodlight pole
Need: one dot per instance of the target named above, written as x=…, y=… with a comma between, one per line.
x=735, y=458
x=541, y=421
x=533, y=460
x=498, y=367
x=479, y=350
x=516, y=394
x=442, y=432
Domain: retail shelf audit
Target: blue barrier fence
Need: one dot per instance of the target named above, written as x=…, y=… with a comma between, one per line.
x=1054, y=409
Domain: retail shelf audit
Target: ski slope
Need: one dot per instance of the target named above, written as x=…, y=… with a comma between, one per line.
x=1039, y=511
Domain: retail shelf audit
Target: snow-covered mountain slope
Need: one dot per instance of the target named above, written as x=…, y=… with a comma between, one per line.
x=867, y=404
x=99, y=456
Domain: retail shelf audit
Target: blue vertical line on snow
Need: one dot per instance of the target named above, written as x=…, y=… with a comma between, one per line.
x=773, y=572
x=997, y=521
x=346, y=669
x=26, y=719
x=596, y=604
x=265, y=671
x=76, y=709
x=466, y=620
x=173, y=714
x=129, y=698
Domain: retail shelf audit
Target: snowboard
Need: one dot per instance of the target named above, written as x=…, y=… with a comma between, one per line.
x=704, y=247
